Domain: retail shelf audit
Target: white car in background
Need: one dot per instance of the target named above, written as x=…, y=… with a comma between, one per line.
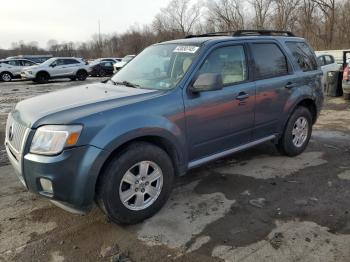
x=57, y=67
x=328, y=64
x=125, y=60
x=12, y=68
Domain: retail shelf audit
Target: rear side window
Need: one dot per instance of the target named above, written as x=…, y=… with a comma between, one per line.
x=269, y=61
x=303, y=55
x=229, y=62
x=71, y=61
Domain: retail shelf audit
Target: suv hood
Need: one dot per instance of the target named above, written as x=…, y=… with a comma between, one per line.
x=81, y=101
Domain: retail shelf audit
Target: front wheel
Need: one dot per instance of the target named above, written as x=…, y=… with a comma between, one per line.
x=6, y=77
x=297, y=133
x=136, y=183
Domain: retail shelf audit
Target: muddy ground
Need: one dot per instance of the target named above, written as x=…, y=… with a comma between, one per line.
x=253, y=206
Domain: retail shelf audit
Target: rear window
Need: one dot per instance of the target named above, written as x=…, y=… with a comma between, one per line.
x=303, y=55
x=269, y=61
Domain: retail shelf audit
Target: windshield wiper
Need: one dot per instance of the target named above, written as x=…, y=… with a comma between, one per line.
x=126, y=83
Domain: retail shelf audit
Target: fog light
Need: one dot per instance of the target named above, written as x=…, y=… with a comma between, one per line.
x=46, y=185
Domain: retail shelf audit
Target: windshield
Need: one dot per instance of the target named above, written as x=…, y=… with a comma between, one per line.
x=49, y=61
x=158, y=67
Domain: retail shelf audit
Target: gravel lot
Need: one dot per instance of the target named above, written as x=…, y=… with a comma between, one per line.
x=253, y=206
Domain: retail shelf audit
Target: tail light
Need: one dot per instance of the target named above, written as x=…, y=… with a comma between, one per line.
x=346, y=73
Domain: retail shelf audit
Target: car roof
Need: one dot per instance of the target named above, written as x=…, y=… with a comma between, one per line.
x=219, y=39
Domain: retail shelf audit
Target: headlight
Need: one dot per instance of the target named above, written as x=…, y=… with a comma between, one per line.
x=52, y=139
x=30, y=72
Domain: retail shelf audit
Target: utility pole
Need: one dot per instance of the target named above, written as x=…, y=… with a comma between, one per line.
x=99, y=37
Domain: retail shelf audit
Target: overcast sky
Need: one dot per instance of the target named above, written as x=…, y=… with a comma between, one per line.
x=71, y=20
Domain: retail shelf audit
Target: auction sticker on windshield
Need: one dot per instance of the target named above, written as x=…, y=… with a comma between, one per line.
x=186, y=49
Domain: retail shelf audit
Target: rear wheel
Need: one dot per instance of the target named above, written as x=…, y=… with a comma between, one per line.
x=81, y=75
x=42, y=78
x=6, y=76
x=135, y=184
x=297, y=133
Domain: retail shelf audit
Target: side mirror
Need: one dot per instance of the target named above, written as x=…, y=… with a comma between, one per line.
x=207, y=82
x=53, y=65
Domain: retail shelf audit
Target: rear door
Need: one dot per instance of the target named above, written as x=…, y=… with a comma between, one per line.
x=274, y=81
x=70, y=67
x=221, y=119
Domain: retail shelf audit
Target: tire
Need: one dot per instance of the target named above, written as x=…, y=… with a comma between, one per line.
x=294, y=144
x=102, y=73
x=6, y=76
x=346, y=96
x=42, y=78
x=126, y=166
x=82, y=75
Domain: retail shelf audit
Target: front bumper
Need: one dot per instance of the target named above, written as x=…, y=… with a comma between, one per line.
x=26, y=75
x=73, y=174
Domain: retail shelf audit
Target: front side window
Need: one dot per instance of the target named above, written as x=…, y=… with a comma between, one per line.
x=269, y=61
x=303, y=55
x=321, y=60
x=27, y=63
x=58, y=62
x=158, y=67
x=229, y=62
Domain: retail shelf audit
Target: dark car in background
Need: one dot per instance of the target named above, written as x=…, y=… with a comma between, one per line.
x=101, y=68
x=178, y=105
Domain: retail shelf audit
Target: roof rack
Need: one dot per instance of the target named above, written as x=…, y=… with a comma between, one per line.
x=246, y=33
x=223, y=33
x=263, y=33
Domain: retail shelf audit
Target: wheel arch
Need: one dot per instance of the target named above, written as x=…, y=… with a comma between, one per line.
x=42, y=72
x=156, y=140
x=7, y=72
x=307, y=102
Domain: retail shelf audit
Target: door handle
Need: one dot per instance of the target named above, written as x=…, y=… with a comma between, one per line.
x=242, y=96
x=290, y=85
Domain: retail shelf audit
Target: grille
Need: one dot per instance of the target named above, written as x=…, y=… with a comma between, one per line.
x=15, y=133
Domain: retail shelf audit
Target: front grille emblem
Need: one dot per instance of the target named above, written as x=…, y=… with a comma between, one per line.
x=11, y=134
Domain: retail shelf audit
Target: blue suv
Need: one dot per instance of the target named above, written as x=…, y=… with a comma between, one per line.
x=176, y=106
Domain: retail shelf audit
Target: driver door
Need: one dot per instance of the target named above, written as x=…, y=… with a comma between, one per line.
x=222, y=119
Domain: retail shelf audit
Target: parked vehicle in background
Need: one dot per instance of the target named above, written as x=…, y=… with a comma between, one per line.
x=346, y=80
x=110, y=59
x=327, y=64
x=122, y=142
x=59, y=67
x=11, y=69
x=35, y=58
x=117, y=66
x=101, y=68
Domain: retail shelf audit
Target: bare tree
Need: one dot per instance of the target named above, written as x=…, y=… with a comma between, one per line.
x=328, y=8
x=286, y=14
x=226, y=15
x=262, y=9
x=179, y=16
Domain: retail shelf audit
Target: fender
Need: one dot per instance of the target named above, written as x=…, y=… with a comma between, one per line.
x=301, y=94
x=42, y=71
x=114, y=135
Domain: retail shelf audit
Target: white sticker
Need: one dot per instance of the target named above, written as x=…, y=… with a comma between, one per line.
x=186, y=49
